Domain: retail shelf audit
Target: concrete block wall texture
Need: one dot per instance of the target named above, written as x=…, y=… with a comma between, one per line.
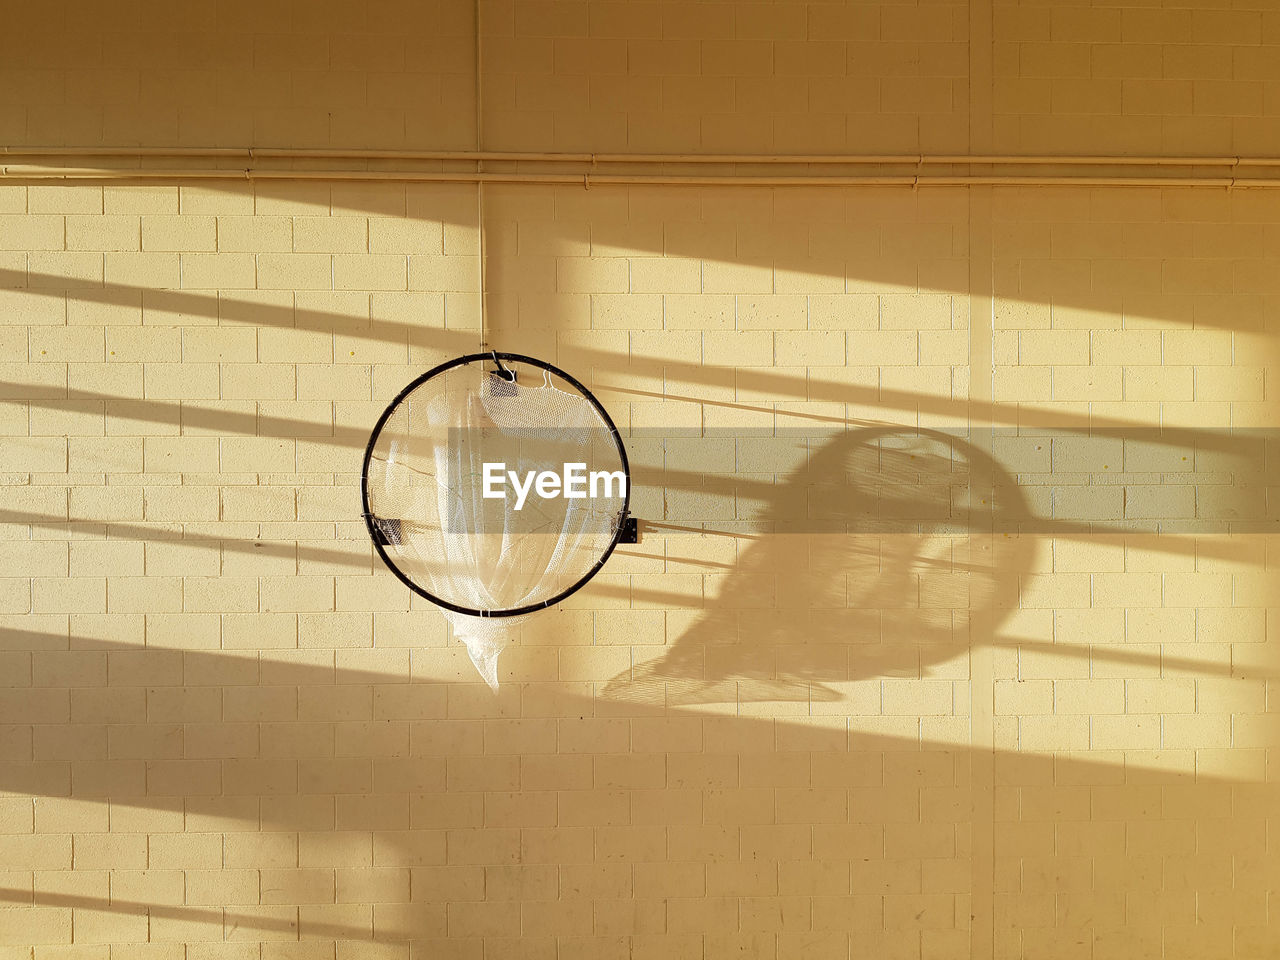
x=959, y=640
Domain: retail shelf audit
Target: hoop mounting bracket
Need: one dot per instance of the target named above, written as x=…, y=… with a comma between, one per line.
x=502, y=372
x=630, y=530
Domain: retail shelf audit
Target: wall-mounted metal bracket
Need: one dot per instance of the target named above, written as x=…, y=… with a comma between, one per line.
x=502, y=381
x=630, y=530
x=502, y=372
x=385, y=532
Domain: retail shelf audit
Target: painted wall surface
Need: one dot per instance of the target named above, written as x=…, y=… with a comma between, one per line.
x=953, y=633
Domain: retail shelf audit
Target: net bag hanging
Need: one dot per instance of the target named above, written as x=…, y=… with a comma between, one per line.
x=494, y=486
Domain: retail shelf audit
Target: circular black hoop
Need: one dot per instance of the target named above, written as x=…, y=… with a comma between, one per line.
x=496, y=356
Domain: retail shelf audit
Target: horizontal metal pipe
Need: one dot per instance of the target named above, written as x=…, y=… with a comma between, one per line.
x=34, y=173
x=24, y=172
x=638, y=158
x=125, y=152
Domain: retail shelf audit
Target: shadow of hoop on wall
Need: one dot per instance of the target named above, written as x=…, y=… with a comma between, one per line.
x=859, y=564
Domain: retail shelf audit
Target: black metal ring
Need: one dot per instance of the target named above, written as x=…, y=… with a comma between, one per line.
x=462, y=361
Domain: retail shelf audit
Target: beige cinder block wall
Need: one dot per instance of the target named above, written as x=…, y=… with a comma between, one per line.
x=957, y=642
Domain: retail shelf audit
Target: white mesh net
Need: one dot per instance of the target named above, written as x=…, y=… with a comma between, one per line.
x=466, y=431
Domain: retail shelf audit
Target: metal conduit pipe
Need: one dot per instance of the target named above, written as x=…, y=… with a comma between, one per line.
x=40, y=173
x=249, y=153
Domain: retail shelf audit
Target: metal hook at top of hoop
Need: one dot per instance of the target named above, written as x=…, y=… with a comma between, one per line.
x=503, y=372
